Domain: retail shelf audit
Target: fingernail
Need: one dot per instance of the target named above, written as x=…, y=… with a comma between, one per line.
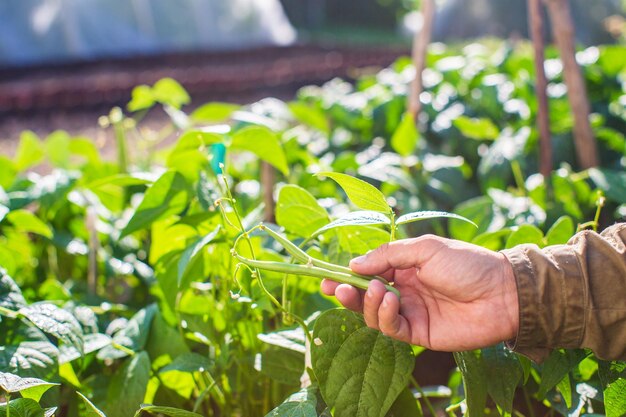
x=359, y=259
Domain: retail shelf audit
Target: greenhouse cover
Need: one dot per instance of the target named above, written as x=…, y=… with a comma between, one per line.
x=37, y=31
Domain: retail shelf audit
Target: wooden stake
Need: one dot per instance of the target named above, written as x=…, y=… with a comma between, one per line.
x=535, y=22
x=268, y=179
x=419, y=53
x=563, y=31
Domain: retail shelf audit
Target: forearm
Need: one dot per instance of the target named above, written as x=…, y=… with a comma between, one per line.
x=573, y=295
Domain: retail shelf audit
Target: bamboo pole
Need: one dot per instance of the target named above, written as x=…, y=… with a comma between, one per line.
x=535, y=22
x=563, y=31
x=419, y=53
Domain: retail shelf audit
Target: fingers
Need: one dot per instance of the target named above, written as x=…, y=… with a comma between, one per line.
x=401, y=254
x=347, y=295
x=381, y=310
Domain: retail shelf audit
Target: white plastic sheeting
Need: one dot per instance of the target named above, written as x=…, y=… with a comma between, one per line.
x=33, y=31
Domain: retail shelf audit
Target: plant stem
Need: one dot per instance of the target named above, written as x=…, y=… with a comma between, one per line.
x=9, y=313
x=393, y=227
x=429, y=405
x=519, y=176
x=531, y=411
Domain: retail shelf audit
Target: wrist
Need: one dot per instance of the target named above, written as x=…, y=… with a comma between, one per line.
x=511, y=300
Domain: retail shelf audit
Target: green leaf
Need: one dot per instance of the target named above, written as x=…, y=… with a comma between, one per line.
x=141, y=98
x=27, y=222
x=58, y=148
x=303, y=403
x=612, y=182
x=362, y=194
x=214, y=112
x=554, y=369
x=282, y=365
x=206, y=192
x=188, y=362
x=90, y=409
x=193, y=253
x=263, y=143
x=356, y=218
x=293, y=339
x=166, y=411
x=134, y=335
x=118, y=180
x=310, y=116
x=361, y=372
x=406, y=135
x=474, y=381
x=32, y=388
x=423, y=215
x=128, y=386
x=55, y=321
x=22, y=407
x=29, y=152
x=613, y=378
x=565, y=388
x=405, y=406
x=526, y=233
x=10, y=294
x=166, y=197
x=30, y=359
x=299, y=212
x=561, y=231
x=93, y=343
x=169, y=91
x=503, y=372
x=476, y=128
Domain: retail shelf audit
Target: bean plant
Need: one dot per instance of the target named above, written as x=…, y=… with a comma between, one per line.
x=156, y=284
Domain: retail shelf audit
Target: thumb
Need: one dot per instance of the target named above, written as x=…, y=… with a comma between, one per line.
x=401, y=254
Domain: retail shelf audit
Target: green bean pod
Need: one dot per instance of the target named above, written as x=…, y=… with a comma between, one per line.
x=312, y=271
x=305, y=258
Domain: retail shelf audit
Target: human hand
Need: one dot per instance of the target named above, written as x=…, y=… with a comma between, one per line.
x=454, y=296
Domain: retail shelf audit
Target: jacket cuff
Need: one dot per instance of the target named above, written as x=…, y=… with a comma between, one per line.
x=550, y=290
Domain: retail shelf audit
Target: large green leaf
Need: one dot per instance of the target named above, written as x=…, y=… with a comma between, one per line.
x=90, y=409
x=310, y=116
x=423, y=215
x=282, y=365
x=55, y=321
x=361, y=372
x=93, y=343
x=474, y=381
x=406, y=405
x=561, y=231
x=22, y=407
x=503, y=372
x=613, y=378
x=303, y=403
x=165, y=411
x=192, y=253
x=406, y=135
x=356, y=218
x=32, y=388
x=25, y=221
x=10, y=294
x=362, y=194
x=299, y=212
x=169, y=91
x=128, y=386
x=133, y=336
x=29, y=359
x=263, y=143
x=554, y=369
x=166, y=197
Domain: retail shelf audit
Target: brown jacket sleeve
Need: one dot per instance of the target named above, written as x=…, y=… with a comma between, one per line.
x=573, y=295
